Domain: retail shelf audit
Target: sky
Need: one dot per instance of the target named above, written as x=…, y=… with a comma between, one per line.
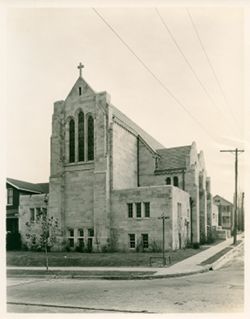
x=184, y=81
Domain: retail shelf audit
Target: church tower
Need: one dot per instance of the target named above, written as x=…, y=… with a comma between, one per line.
x=80, y=167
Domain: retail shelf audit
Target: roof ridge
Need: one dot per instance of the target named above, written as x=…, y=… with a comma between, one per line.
x=174, y=147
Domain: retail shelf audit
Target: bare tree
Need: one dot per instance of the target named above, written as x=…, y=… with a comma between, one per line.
x=41, y=233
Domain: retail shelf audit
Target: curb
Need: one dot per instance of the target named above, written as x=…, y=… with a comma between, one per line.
x=146, y=277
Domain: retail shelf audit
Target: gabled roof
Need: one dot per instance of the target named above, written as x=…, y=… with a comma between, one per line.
x=86, y=88
x=173, y=158
x=222, y=200
x=132, y=126
x=44, y=187
x=39, y=188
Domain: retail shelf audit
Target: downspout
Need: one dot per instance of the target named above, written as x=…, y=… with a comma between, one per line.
x=191, y=218
x=183, y=179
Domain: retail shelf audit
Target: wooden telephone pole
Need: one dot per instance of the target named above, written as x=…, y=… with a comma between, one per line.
x=236, y=152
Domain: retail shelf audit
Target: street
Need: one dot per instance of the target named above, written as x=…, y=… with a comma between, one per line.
x=215, y=291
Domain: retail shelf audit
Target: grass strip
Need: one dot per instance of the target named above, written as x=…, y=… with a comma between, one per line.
x=216, y=256
x=90, y=273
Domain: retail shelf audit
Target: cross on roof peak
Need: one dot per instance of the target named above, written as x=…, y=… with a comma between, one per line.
x=80, y=67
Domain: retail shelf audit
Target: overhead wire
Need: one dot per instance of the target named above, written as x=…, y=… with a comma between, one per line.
x=164, y=23
x=170, y=93
x=211, y=66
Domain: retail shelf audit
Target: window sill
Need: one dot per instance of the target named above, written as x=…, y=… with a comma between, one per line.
x=79, y=163
x=138, y=218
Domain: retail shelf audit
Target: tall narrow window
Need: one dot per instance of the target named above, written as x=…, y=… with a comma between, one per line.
x=168, y=181
x=146, y=209
x=81, y=137
x=138, y=210
x=90, y=138
x=71, y=141
x=176, y=181
x=130, y=210
x=80, y=90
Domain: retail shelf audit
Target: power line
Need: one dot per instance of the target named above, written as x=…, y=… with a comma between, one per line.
x=211, y=66
x=187, y=61
x=153, y=74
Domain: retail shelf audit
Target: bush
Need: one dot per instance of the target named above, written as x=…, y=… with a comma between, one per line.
x=79, y=249
x=13, y=241
x=196, y=245
x=105, y=249
x=154, y=247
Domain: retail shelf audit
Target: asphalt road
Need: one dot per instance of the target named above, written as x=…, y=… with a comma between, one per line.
x=215, y=291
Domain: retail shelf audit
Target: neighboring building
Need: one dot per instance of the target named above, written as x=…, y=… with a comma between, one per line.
x=225, y=213
x=110, y=181
x=215, y=215
x=15, y=188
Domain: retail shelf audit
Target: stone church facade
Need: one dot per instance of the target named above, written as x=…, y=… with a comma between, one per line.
x=111, y=182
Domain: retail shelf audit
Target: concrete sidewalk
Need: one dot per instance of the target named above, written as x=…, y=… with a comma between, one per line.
x=193, y=265
x=187, y=266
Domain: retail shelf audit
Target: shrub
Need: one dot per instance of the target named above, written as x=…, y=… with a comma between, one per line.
x=155, y=247
x=79, y=249
x=196, y=245
x=139, y=247
x=105, y=249
x=13, y=241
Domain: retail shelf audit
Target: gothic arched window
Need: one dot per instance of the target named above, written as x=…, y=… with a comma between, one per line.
x=80, y=137
x=90, y=138
x=168, y=181
x=176, y=181
x=71, y=141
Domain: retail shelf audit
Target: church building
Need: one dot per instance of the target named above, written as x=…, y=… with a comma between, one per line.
x=111, y=184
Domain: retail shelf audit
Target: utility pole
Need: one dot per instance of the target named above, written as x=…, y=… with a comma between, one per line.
x=236, y=152
x=163, y=217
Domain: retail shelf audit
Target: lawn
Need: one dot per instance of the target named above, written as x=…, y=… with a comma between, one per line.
x=65, y=259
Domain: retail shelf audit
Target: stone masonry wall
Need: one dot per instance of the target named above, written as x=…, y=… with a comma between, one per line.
x=163, y=199
x=124, y=158
x=181, y=219
x=160, y=198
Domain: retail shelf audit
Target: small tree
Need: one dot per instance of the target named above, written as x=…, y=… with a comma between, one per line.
x=41, y=234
